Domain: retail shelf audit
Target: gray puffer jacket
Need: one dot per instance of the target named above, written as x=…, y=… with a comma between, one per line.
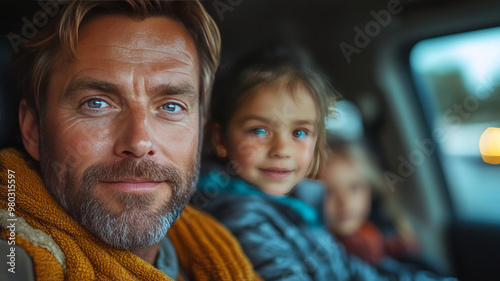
x=282, y=243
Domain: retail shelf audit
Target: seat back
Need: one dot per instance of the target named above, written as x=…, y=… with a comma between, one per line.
x=9, y=99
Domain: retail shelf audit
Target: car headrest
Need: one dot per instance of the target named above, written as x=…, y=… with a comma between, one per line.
x=9, y=99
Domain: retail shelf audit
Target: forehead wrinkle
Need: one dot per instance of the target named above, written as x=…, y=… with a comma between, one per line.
x=176, y=38
x=163, y=67
x=139, y=55
x=169, y=50
x=176, y=70
x=145, y=39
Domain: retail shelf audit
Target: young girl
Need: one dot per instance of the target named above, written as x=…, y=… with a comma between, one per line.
x=352, y=183
x=267, y=126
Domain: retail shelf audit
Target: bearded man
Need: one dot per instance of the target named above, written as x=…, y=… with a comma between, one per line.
x=114, y=98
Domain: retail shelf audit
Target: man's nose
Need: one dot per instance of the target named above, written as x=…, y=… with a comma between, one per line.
x=280, y=146
x=135, y=138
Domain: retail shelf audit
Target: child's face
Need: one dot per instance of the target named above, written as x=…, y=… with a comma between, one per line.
x=348, y=196
x=271, y=138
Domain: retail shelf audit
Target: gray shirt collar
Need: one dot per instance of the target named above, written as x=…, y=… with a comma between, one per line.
x=167, y=260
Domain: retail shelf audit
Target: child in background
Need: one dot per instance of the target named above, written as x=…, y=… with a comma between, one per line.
x=352, y=180
x=266, y=126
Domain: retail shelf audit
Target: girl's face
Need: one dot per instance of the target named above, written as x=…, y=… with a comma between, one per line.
x=271, y=138
x=348, y=196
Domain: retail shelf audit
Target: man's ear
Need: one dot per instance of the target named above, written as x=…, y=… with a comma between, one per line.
x=28, y=123
x=218, y=141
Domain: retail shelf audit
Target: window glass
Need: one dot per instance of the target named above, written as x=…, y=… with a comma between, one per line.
x=458, y=83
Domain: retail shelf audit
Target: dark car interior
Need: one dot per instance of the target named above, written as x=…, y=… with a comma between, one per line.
x=425, y=76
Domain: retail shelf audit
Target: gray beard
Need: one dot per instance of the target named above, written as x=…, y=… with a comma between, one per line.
x=140, y=225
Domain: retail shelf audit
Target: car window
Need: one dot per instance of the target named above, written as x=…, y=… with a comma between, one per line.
x=458, y=83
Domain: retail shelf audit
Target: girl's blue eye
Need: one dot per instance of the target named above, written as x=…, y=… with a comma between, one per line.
x=260, y=132
x=300, y=134
x=96, y=104
x=171, y=107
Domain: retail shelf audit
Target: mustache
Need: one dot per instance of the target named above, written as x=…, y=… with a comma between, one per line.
x=146, y=169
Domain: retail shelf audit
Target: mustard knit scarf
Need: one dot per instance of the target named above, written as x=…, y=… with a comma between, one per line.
x=61, y=249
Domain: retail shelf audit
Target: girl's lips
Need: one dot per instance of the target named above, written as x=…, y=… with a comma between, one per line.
x=133, y=186
x=276, y=173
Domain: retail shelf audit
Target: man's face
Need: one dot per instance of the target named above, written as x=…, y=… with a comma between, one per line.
x=120, y=130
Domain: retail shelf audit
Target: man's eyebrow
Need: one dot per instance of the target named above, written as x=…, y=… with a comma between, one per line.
x=90, y=84
x=185, y=89
x=87, y=83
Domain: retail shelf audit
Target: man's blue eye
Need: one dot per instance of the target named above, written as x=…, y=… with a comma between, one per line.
x=96, y=104
x=260, y=132
x=300, y=134
x=171, y=107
